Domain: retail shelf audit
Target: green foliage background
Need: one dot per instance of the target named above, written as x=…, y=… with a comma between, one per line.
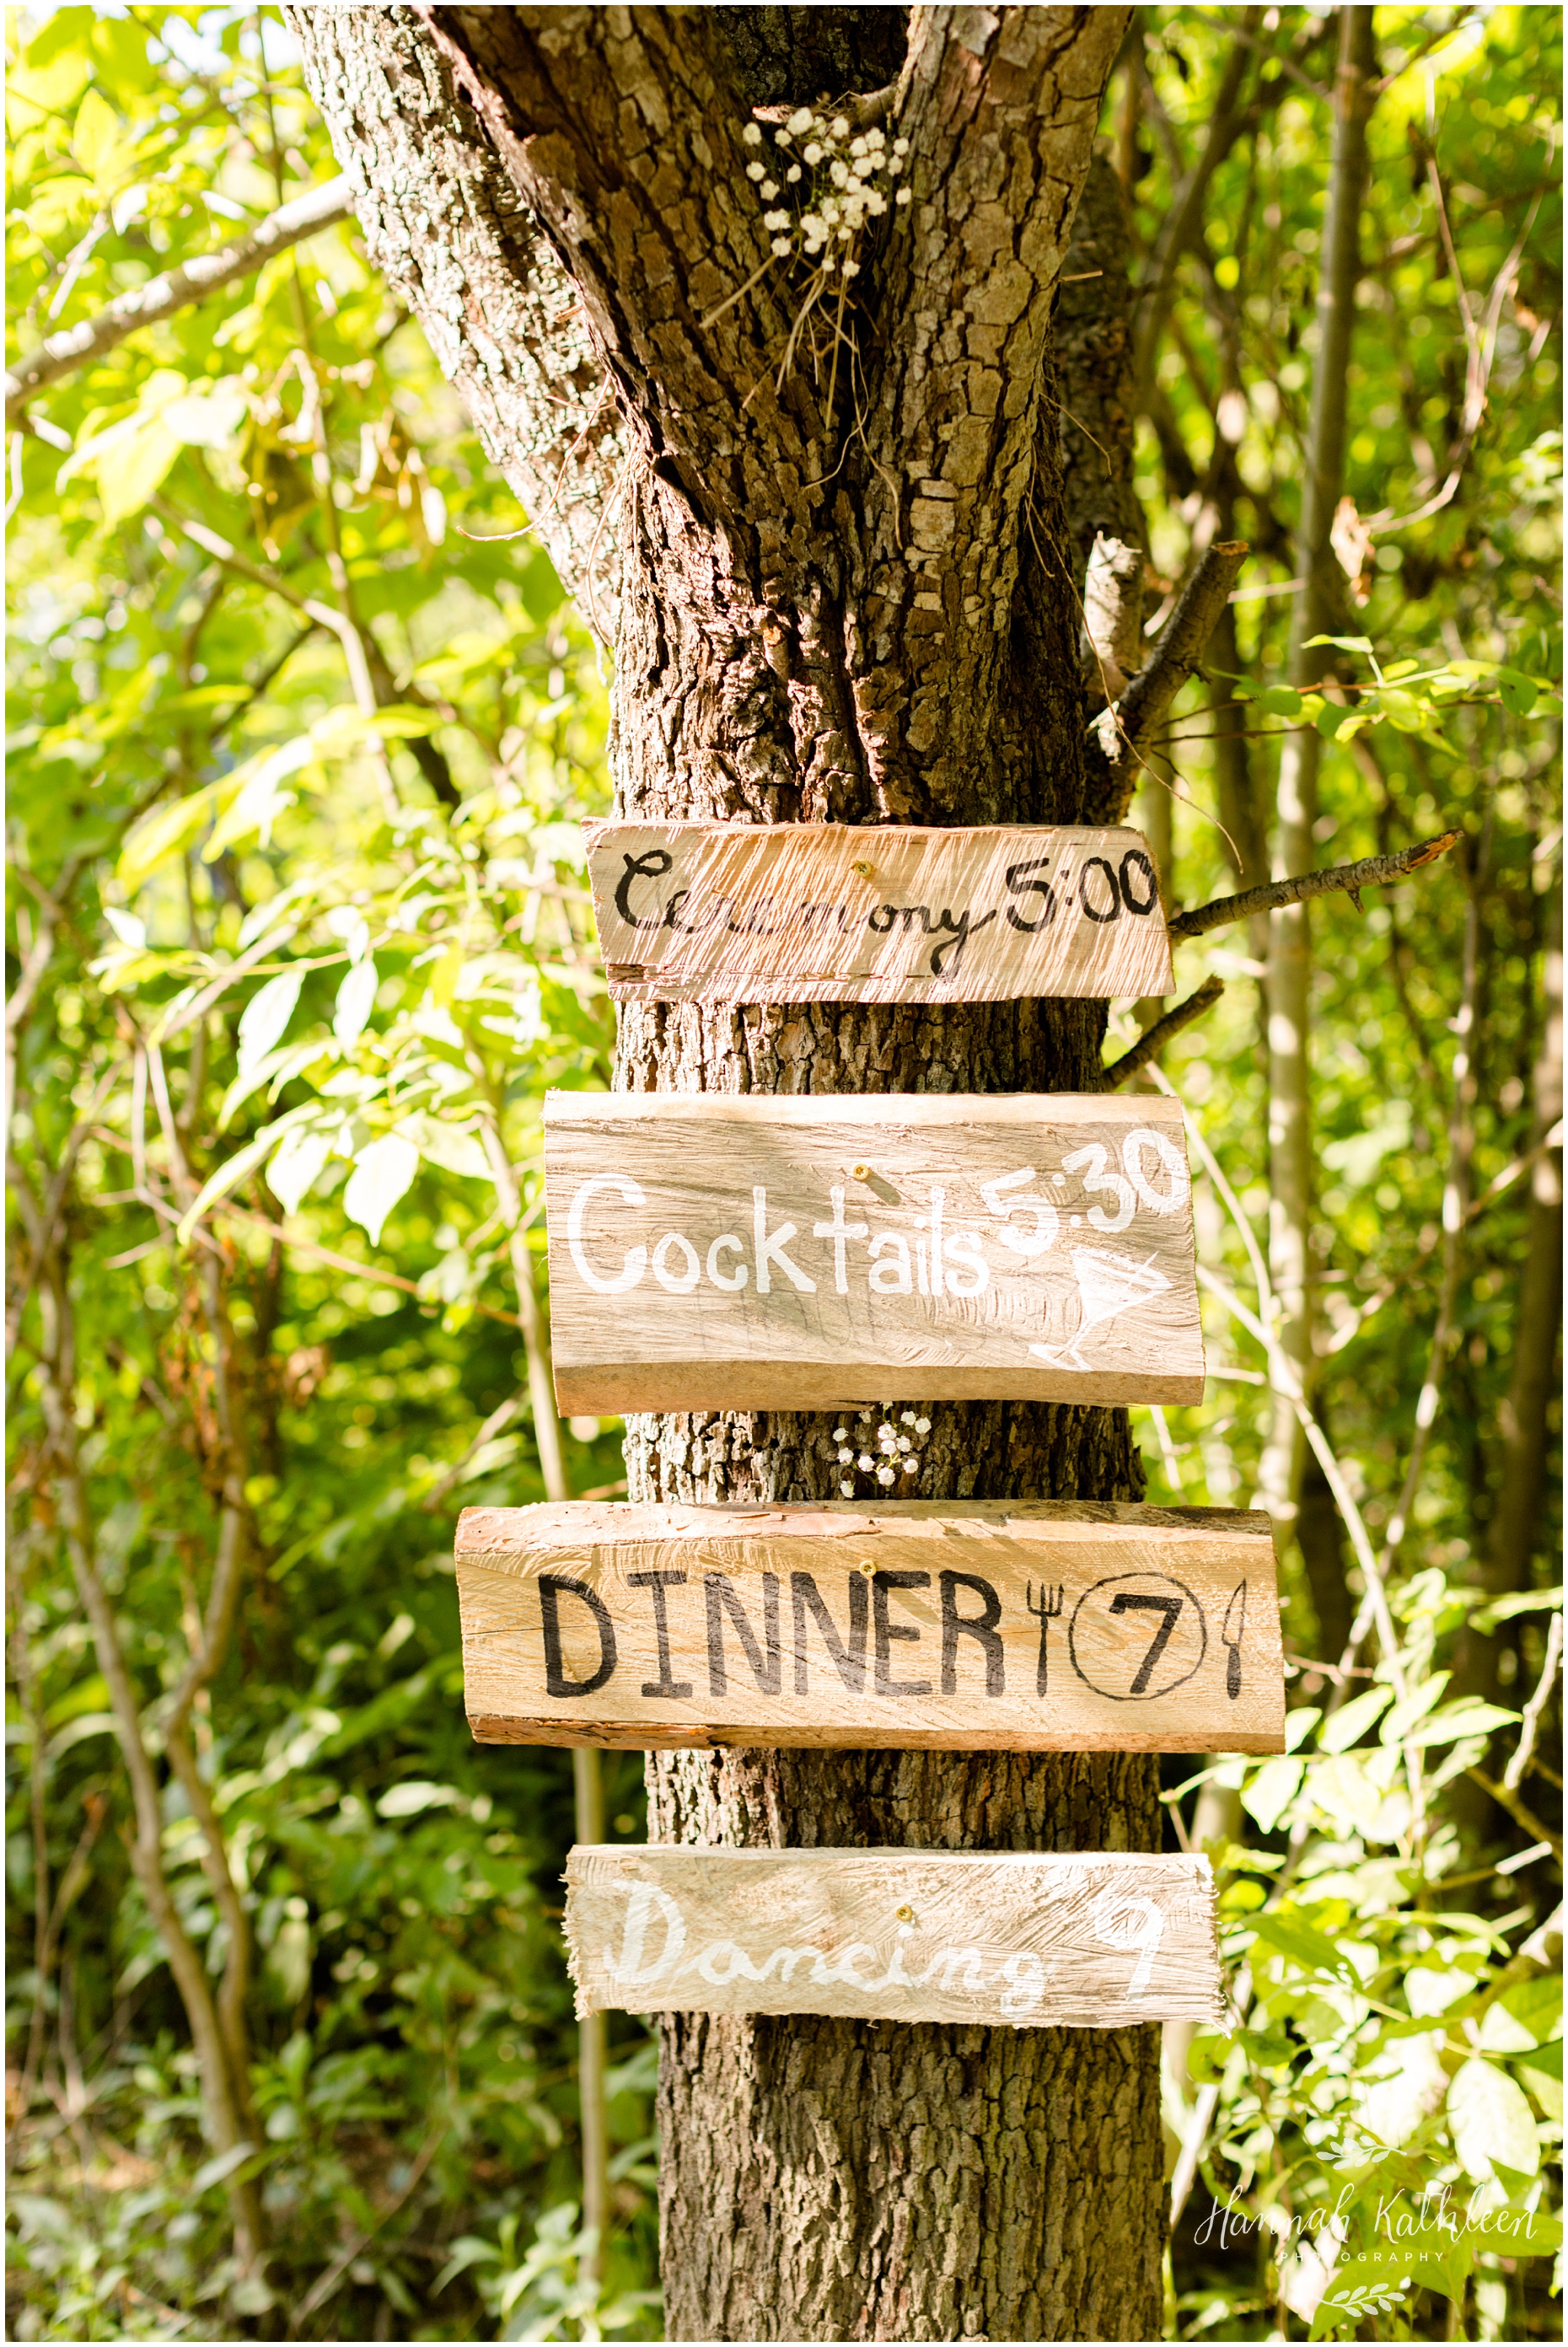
x=287, y=967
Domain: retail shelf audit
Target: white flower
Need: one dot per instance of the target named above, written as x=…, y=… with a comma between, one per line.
x=782, y=138
x=813, y=224
x=905, y=1418
x=754, y=170
x=857, y=146
x=781, y=245
x=838, y=173
x=829, y=209
x=841, y=1434
x=852, y=268
x=885, y=1428
x=922, y=1426
x=775, y=220
x=894, y=165
x=793, y=174
x=799, y=120
x=848, y=1489
x=768, y=190
x=752, y=134
x=884, y=1475
x=846, y=230
x=865, y=1417
x=840, y=126
x=811, y=154
x=875, y=138
x=876, y=205
x=865, y=1462
x=905, y=1443
x=903, y=196
x=911, y=1466
x=846, y=1458
x=900, y=145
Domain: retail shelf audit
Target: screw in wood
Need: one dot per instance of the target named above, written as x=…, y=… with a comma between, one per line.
x=904, y=1914
x=865, y=870
x=861, y=1172
x=866, y=1566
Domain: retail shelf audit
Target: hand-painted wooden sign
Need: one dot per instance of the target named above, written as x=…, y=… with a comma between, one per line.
x=714, y=1252
x=1032, y=1626
x=1089, y=1942
x=726, y=912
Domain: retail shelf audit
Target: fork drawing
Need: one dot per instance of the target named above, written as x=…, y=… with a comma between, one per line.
x=1045, y=1613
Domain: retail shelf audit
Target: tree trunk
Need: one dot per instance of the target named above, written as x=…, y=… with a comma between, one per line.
x=851, y=605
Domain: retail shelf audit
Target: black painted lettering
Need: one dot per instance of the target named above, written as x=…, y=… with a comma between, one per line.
x=718, y=1591
x=882, y=1583
x=1099, y=863
x=848, y=1661
x=874, y=921
x=963, y=929
x=1018, y=886
x=551, y=1590
x=652, y=866
x=980, y=1626
x=671, y=1689
x=671, y=908
x=1136, y=861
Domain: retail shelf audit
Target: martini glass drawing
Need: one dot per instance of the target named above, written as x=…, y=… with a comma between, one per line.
x=1107, y=1283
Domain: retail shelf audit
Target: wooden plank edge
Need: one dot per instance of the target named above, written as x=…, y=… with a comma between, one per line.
x=611, y=1389
x=614, y=1735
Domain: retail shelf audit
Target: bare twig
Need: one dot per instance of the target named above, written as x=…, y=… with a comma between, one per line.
x=161, y=297
x=497, y=1423
x=1153, y=1039
x=346, y=1262
x=1179, y=652
x=1513, y=1775
x=1373, y=871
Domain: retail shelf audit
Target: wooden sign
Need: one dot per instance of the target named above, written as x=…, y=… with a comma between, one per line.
x=1029, y=1625
x=728, y=912
x=1098, y=1941
x=715, y=1252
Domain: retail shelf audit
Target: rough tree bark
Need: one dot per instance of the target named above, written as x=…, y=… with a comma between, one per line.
x=853, y=616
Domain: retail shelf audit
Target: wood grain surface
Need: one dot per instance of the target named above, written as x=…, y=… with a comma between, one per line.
x=725, y=912
x=1023, y=1626
x=712, y=1251
x=1098, y=1941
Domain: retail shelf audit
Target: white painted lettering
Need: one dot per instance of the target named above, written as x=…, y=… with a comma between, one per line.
x=682, y=1282
x=635, y=1261
x=1046, y=1224
x=1098, y=1179
x=892, y=1278
x=963, y=1249
x=1158, y=1202
x=1125, y=1922
x=629, y=1968
x=839, y=1231
x=771, y=1250
x=732, y=1281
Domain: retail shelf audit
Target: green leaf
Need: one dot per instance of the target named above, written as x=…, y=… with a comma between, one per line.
x=1541, y=2073
x=1469, y=1717
x=1518, y=691
x=1280, y=701
x=297, y=1163
x=355, y=1002
x=1291, y=1935
x=1352, y=1721
x=383, y=1171
x=1491, y=2121
x=1269, y=1794
x=266, y=1015
x=414, y=1795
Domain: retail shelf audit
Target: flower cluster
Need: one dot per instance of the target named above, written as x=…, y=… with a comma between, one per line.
x=847, y=175
x=896, y=1453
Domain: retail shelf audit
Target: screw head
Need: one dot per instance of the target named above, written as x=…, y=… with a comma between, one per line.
x=904, y=1914
x=864, y=869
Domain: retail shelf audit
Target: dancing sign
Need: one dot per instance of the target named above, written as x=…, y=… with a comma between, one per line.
x=729, y=912
x=1029, y=1625
x=1097, y=1941
x=715, y=1252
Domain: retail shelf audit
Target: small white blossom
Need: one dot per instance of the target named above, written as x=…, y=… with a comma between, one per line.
x=840, y=126
x=885, y=1428
x=754, y=170
x=903, y=196
x=775, y=220
x=884, y=1475
x=841, y=1434
x=813, y=224
x=811, y=154
x=793, y=174
x=752, y=134
x=905, y=1418
x=865, y=1462
x=782, y=138
x=852, y=268
x=857, y=146
x=846, y=1458
x=799, y=120
x=900, y=145
x=848, y=1489
x=875, y=138
x=911, y=1466
x=768, y=190
x=894, y=165
x=781, y=245
x=838, y=173
x=847, y=230
x=865, y=1416
x=876, y=205
x=905, y=1443
x=922, y=1426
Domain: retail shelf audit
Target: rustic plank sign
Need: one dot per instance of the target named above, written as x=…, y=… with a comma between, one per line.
x=1101, y=1941
x=713, y=1252
x=725, y=912
x=1030, y=1625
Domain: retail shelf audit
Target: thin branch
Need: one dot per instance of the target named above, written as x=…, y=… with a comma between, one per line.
x=1513, y=1775
x=1507, y=1799
x=497, y=1423
x=319, y=208
x=1153, y=1039
x=1179, y=652
x=346, y=1262
x=1373, y=871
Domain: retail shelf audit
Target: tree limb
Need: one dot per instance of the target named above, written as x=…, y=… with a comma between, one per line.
x=1372, y=872
x=1179, y=650
x=59, y=354
x=1153, y=1039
